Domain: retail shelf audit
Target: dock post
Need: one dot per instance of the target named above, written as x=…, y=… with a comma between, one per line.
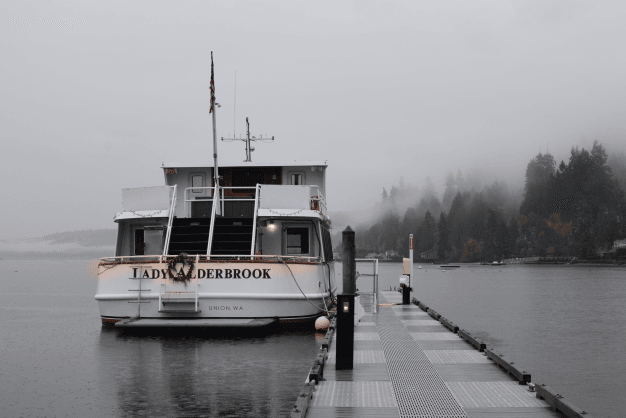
x=348, y=247
x=406, y=290
x=344, y=348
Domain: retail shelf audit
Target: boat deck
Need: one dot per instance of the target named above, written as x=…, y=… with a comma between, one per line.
x=407, y=364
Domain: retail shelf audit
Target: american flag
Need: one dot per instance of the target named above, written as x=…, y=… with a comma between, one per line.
x=212, y=85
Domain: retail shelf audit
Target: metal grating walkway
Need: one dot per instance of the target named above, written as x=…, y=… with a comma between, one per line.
x=420, y=391
x=407, y=364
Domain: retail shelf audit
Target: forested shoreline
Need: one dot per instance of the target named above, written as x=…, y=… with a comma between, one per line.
x=574, y=209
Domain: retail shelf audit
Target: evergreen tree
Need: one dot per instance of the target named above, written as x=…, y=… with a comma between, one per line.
x=390, y=232
x=443, y=243
x=617, y=162
x=395, y=196
x=385, y=196
x=502, y=241
x=512, y=235
x=429, y=188
x=449, y=193
x=539, y=172
x=456, y=222
x=460, y=182
x=490, y=240
x=410, y=225
x=428, y=233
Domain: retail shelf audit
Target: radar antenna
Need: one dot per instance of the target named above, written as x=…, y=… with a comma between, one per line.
x=248, y=139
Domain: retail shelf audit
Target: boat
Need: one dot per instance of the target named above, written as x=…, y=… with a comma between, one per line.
x=253, y=251
x=449, y=266
x=230, y=245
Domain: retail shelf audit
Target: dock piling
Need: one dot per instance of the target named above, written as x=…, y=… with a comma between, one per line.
x=345, y=310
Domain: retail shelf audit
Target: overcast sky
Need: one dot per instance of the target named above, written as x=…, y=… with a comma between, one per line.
x=94, y=96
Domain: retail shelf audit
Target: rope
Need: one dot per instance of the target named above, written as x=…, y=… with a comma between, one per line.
x=333, y=299
x=296, y=282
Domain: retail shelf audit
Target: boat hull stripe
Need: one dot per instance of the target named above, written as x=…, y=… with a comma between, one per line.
x=269, y=296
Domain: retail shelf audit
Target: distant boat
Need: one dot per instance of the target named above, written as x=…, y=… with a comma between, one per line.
x=448, y=266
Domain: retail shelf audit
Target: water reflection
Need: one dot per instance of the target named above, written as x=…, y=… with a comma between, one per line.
x=205, y=375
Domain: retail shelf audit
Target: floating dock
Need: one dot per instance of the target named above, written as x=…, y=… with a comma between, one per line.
x=407, y=363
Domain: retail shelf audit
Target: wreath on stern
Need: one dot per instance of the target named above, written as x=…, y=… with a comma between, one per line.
x=182, y=260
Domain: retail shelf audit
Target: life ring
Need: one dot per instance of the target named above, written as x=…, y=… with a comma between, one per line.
x=184, y=261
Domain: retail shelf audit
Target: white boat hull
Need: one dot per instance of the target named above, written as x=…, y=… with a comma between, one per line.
x=261, y=290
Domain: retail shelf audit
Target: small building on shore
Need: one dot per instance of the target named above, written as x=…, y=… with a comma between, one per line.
x=619, y=243
x=429, y=255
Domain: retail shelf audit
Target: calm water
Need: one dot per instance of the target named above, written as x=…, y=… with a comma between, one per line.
x=566, y=325
x=57, y=361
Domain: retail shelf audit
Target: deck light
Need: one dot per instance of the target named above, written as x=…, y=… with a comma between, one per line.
x=271, y=227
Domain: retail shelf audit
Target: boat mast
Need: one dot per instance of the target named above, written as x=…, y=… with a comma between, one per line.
x=216, y=177
x=248, y=140
x=248, y=147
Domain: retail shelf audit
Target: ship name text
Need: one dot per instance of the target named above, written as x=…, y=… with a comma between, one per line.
x=203, y=273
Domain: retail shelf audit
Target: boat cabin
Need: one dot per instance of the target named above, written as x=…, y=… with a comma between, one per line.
x=260, y=209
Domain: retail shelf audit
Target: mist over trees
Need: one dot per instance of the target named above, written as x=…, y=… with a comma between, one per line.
x=573, y=209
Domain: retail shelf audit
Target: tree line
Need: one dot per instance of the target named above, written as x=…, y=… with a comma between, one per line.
x=573, y=209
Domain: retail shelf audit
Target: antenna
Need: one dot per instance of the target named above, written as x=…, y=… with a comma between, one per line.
x=235, y=105
x=248, y=140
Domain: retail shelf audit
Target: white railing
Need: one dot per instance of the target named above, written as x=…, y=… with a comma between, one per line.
x=168, y=235
x=222, y=195
x=162, y=259
x=222, y=198
x=374, y=275
x=256, y=210
x=318, y=202
x=210, y=241
x=196, y=295
x=197, y=261
x=293, y=198
x=187, y=199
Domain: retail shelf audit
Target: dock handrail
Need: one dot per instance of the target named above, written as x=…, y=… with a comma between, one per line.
x=374, y=275
x=166, y=246
x=254, y=218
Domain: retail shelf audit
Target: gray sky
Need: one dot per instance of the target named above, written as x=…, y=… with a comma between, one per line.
x=95, y=95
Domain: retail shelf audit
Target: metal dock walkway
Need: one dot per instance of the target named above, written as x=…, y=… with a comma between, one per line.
x=407, y=364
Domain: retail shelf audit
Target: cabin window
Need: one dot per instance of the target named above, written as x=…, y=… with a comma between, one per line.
x=297, y=241
x=196, y=181
x=149, y=240
x=153, y=240
x=328, y=246
x=296, y=179
x=139, y=242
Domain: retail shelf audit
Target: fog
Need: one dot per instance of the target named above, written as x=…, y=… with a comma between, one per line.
x=95, y=96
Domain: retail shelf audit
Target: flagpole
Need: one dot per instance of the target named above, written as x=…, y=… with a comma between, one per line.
x=216, y=177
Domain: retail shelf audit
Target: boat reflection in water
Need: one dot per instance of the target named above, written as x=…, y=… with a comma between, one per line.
x=181, y=375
